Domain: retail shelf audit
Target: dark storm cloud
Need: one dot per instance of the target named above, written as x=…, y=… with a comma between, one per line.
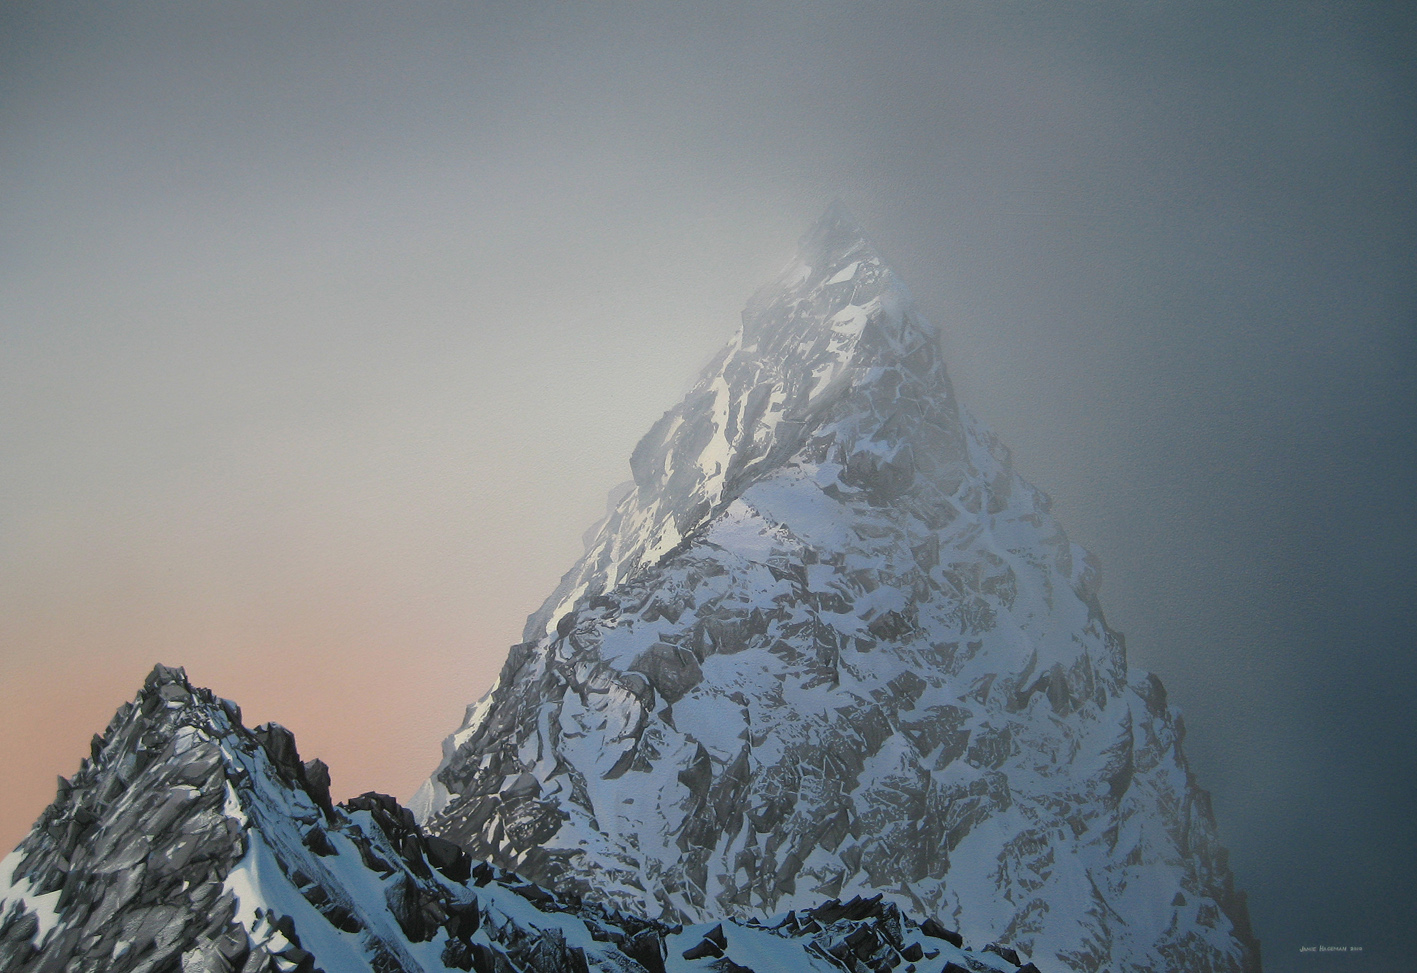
x=284, y=286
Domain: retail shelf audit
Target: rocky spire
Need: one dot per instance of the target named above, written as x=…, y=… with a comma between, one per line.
x=832, y=644
x=835, y=338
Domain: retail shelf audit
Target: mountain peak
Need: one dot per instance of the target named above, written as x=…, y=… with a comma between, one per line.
x=831, y=644
x=829, y=352
x=836, y=306
x=836, y=234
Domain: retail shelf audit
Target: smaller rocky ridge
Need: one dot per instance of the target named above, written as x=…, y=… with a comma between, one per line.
x=187, y=843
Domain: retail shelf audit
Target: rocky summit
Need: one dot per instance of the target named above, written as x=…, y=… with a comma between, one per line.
x=188, y=843
x=830, y=645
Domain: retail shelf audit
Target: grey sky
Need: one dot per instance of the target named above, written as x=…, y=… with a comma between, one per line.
x=323, y=334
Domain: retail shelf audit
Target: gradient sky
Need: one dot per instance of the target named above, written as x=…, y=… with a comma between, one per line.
x=325, y=332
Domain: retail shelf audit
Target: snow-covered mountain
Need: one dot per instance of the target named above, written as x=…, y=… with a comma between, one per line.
x=831, y=644
x=190, y=844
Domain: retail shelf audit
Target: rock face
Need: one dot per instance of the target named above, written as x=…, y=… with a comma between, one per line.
x=830, y=644
x=190, y=844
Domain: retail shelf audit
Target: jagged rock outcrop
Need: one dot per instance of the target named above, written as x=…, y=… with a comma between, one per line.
x=187, y=843
x=831, y=644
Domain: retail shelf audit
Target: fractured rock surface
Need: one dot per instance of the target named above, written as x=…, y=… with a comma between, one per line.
x=830, y=644
x=189, y=844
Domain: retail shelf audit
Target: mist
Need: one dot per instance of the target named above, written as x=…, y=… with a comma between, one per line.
x=324, y=334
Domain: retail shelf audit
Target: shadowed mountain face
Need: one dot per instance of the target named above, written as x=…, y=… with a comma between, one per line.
x=190, y=844
x=830, y=644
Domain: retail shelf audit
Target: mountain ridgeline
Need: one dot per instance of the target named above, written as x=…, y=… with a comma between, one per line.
x=830, y=644
x=187, y=843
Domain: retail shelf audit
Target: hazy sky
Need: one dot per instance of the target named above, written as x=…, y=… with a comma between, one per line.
x=325, y=331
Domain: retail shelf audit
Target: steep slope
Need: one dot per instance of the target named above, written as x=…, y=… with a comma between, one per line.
x=189, y=843
x=831, y=644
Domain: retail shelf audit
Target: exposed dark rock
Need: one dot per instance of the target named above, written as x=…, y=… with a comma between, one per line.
x=672, y=671
x=705, y=948
x=279, y=744
x=646, y=947
x=936, y=931
x=1004, y=951
x=317, y=783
